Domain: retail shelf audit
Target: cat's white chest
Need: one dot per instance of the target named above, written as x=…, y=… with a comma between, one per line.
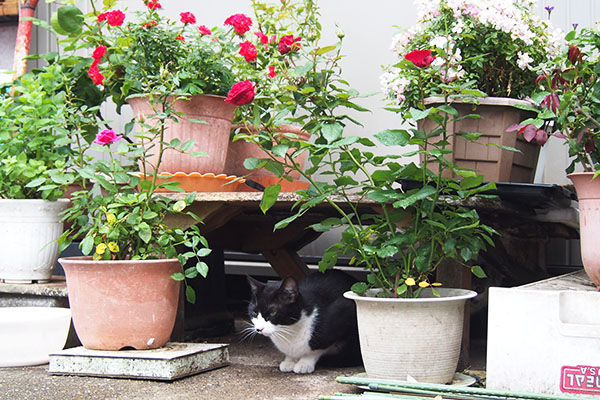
x=292, y=340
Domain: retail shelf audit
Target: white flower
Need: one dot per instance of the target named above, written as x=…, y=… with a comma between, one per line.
x=439, y=41
x=524, y=60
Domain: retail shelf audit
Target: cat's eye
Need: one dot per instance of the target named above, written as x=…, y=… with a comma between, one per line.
x=272, y=313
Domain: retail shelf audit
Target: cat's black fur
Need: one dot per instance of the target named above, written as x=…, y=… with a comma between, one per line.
x=283, y=304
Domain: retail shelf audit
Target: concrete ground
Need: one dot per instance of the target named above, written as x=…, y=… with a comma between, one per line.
x=253, y=374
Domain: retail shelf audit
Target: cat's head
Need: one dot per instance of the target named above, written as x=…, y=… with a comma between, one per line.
x=273, y=304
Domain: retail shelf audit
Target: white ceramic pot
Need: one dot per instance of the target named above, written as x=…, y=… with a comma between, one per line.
x=417, y=338
x=28, y=233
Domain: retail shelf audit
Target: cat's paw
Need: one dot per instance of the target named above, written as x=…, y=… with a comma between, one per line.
x=287, y=365
x=304, y=367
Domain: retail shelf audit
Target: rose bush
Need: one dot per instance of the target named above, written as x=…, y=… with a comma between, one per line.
x=128, y=46
x=493, y=46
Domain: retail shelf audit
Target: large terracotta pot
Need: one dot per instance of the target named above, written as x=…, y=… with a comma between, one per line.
x=29, y=229
x=240, y=150
x=211, y=137
x=494, y=163
x=122, y=304
x=588, y=197
x=418, y=338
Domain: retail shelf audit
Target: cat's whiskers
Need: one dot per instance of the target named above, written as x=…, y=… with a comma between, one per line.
x=248, y=333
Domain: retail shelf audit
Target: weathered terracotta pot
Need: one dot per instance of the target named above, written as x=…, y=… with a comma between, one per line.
x=122, y=304
x=211, y=137
x=240, y=150
x=588, y=197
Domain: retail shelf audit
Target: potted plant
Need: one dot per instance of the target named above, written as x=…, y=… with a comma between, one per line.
x=287, y=33
x=132, y=56
x=487, y=47
x=416, y=219
x=567, y=108
x=124, y=291
x=34, y=157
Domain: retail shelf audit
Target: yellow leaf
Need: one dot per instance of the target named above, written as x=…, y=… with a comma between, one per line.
x=409, y=282
x=113, y=247
x=179, y=206
x=436, y=284
x=101, y=248
x=423, y=284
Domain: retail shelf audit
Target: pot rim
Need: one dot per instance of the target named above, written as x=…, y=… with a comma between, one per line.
x=484, y=101
x=61, y=200
x=445, y=295
x=89, y=260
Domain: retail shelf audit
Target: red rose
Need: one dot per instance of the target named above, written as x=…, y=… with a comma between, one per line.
x=102, y=17
x=248, y=51
x=262, y=37
x=149, y=24
x=153, y=5
x=272, y=73
x=180, y=37
x=288, y=43
x=98, y=53
x=95, y=74
x=188, y=18
x=115, y=18
x=241, y=23
x=241, y=93
x=420, y=58
x=204, y=30
x=107, y=136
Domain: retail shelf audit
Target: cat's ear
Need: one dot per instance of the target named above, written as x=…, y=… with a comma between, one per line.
x=288, y=291
x=254, y=284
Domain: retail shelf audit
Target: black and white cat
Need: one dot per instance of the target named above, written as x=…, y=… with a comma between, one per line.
x=308, y=321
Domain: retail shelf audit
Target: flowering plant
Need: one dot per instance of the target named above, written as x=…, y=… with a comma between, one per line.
x=568, y=104
x=193, y=58
x=118, y=216
x=493, y=46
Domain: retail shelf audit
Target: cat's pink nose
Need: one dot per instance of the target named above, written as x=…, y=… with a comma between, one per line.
x=259, y=330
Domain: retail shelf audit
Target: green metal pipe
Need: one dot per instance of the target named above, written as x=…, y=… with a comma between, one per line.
x=396, y=386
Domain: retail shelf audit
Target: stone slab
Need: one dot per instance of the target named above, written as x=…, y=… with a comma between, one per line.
x=50, y=294
x=171, y=362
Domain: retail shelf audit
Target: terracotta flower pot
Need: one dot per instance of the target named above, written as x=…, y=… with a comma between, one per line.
x=211, y=137
x=588, y=197
x=494, y=163
x=240, y=150
x=122, y=304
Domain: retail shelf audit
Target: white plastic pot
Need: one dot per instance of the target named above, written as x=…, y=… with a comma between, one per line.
x=406, y=339
x=29, y=334
x=28, y=233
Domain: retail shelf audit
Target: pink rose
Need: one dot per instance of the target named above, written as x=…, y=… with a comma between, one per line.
x=288, y=43
x=241, y=93
x=107, y=136
x=241, y=23
x=272, y=73
x=420, y=58
x=248, y=51
x=153, y=5
x=188, y=18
